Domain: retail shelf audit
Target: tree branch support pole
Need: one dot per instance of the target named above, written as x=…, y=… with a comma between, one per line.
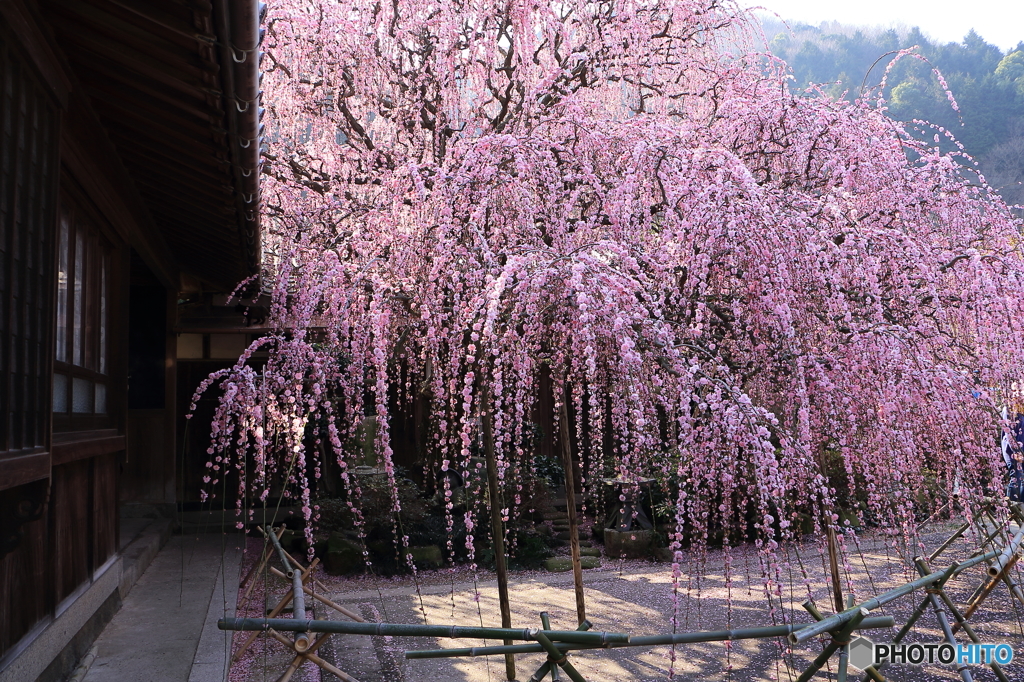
x=257, y=568
x=570, y=505
x=497, y=528
x=949, y=541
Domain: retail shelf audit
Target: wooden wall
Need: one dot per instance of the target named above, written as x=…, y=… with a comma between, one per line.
x=23, y=578
x=64, y=471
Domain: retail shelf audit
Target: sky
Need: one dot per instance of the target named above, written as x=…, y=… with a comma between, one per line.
x=1000, y=22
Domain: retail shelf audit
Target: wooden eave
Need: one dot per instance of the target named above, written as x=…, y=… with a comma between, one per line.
x=170, y=96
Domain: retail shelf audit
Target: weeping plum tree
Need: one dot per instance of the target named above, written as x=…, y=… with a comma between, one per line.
x=760, y=295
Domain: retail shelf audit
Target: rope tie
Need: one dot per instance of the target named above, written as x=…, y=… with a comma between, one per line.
x=557, y=661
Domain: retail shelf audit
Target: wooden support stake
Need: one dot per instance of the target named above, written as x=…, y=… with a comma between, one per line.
x=570, y=507
x=497, y=527
x=833, y=561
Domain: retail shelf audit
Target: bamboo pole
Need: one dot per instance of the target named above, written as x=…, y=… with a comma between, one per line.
x=949, y=541
x=302, y=639
x=801, y=636
x=1007, y=558
x=256, y=568
x=547, y=667
x=871, y=671
x=411, y=630
x=844, y=652
x=341, y=609
x=559, y=658
x=839, y=639
x=269, y=532
x=497, y=528
x=1014, y=588
x=322, y=599
x=570, y=507
x=334, y=670
x=273, y=612
x=965, y=674
x=1009, y=552
x=301, y=658
x=545, y=621
x=875, y=623
x=938, y=593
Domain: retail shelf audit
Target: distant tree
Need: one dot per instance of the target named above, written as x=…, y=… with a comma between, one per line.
x=1010, y=71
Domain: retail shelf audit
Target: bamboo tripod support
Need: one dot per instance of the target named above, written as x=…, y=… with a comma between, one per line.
x=296, y=575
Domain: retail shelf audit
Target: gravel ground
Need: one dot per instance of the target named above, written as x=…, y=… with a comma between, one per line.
x=639, y=598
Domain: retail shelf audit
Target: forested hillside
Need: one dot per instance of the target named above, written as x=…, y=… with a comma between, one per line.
x=988, y=85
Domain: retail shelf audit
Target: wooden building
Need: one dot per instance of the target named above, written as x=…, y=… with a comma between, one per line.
x=129, y=167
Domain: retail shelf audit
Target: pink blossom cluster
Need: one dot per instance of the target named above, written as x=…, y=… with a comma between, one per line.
x=732, y=285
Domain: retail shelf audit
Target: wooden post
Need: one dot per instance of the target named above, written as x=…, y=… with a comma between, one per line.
x=833, y=561
x=497, y=528
x=833, y=549
x=570, y=507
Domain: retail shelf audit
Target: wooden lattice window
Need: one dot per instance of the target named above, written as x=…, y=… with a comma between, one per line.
x=28, y=178
x=82, y=368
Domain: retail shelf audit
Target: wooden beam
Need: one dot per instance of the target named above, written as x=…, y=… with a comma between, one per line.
x=82, y=15
x=117, y=90
x=83, y=46
x=22, y=469
x=179, y=33
x=38, y=47
x=202, y=166
x=71, y=451
x=93, y=160
x=201, y=174
x=188, y=222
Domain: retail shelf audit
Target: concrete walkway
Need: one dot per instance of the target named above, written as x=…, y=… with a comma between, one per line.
x=166, y=630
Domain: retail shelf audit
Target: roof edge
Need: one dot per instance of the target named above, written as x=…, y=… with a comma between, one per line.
x=237, y=24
